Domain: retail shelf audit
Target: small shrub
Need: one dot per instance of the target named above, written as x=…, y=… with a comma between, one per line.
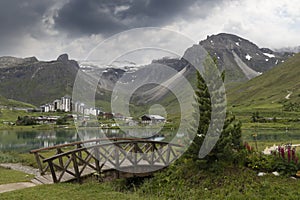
x=283, y=160
x=9, y=158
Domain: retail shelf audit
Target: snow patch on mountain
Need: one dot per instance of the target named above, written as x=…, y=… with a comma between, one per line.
x=269, y=55
x=125, y=65
x=249, y=73
x=248, y=57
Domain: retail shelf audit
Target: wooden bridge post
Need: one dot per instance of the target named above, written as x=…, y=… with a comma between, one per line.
x=52, y=171
x=168, y=154
x=115, y=154
x=76, y=169
x=135, y=149
x=117, y=161
x=79, y=153
x=97, y=159
x=39, y=163
x=60, y=160
x=152, y=154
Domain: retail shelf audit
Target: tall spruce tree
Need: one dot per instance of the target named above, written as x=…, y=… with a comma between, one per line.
x=229, y=141
x=203, y=106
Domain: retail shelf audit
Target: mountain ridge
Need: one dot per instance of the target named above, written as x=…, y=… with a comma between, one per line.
x=38, y=82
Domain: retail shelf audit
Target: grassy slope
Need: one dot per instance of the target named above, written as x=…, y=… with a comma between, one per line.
x=233, y=183
x=270, y=88
x=38, y=82
x=266, y=94
x=12, y=103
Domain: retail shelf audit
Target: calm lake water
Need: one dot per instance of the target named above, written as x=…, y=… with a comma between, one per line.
x=278, y=136
x=24, y=141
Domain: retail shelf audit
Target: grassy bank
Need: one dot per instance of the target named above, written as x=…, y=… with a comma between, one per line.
x=11, y=176
x=187, y=183
x=92, y=190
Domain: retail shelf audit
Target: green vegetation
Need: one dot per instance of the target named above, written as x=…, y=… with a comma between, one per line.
x=230, y=170
x=26, y=121
x=41, y=82
x=181, y=181
x=187, y=181
x=8, y=118
x=13, y=103
x=283, y=160
x=269, y=101
x=11, y=176
x=23, y=158
x=228, y=142
x=271, y=88
x=92, y=190
x=11, y=157
x=290, y=106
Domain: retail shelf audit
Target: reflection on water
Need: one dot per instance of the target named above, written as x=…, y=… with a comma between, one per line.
x=272, y=135
x=24, y=141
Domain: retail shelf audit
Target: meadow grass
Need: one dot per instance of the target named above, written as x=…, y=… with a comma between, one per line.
x=232, y=183
x=12, y=176
x=91, y=190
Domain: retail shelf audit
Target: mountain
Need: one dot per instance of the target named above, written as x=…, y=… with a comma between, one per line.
x=8, y=61
x=280, y=85
x=241, y=59
x=289, y=49
x=36, y=82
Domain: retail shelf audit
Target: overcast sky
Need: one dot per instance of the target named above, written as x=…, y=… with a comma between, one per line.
x=46, y=29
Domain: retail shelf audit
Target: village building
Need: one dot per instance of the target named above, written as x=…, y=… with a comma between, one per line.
x=46, y=119
x=119, y=116
x=152, y=119
x=66, y=104
x=57, y=104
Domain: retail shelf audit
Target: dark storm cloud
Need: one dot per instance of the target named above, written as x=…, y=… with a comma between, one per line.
x=18, y=18
x=111, y=16
x=90, y=16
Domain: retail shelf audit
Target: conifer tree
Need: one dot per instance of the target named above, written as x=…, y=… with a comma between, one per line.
x=229, y=141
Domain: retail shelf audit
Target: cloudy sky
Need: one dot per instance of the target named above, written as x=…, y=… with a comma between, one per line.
x=46, y=29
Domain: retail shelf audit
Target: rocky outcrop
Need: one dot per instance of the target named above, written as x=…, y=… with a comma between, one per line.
x=36, y=82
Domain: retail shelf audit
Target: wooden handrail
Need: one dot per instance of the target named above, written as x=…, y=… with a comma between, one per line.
x=116, y=152
x=106, y=144
x=80, y=142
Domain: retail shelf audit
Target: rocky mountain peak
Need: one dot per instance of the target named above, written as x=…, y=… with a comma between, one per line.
x=9, y=61
x=241, y=59
x=63, y=58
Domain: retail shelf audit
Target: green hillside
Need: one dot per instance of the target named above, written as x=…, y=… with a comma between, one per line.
x=279, y=86
x=12, y=103
x=37, y=82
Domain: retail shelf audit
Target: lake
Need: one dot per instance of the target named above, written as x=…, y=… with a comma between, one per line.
x=26, y=140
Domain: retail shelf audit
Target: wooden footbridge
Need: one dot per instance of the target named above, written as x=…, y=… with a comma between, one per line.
x=75, y=160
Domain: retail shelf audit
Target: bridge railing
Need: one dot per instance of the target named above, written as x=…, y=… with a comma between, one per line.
x=133, y=155
x=43, y=153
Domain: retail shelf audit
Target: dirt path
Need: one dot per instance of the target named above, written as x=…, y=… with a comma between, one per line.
x=15, y=186
x=21, y=185
x=20, y=167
